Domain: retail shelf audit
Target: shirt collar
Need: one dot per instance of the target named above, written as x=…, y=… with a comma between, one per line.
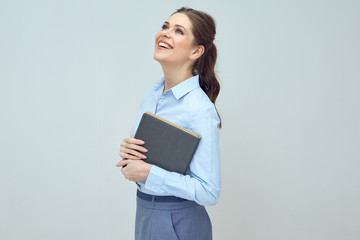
x=185, y=87
x=182, y=88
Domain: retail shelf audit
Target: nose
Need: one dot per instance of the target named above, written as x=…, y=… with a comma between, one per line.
x=166, y=33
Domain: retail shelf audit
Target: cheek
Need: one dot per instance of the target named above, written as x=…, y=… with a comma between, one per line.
x=183, y=44
x=157, y=35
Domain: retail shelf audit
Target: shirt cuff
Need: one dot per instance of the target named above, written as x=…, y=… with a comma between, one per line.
x=155, y=179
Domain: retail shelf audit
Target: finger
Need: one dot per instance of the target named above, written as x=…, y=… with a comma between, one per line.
x=129, y=156
x=125, y=155
x=136, y=147
x=123, y=171
x=136, y=154
x=134, y=141
x=133, y=146
x=132, y=152
x=122, y=163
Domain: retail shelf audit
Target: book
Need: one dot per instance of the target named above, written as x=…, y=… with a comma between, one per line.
x=169, y=146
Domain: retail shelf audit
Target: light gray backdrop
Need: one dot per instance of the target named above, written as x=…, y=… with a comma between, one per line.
x=73, y=74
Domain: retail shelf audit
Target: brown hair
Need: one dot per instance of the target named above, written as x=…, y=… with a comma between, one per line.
x=204, y=31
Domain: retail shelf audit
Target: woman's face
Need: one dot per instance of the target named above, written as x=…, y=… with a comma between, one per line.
x=174, y=42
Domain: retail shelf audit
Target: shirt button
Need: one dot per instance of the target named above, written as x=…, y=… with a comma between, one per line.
x=152, y=187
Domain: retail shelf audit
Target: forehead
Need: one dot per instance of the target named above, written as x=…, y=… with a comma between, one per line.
x=180, y=19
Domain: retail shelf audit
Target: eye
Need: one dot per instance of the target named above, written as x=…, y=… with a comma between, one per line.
x=164, y=27
x=179, y=31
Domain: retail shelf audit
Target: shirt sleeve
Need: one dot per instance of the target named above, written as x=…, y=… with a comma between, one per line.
x=202, y=183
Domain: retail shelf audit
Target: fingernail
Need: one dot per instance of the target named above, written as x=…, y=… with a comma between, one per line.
x=144, y=156
x=142, y=142
x=145, y=150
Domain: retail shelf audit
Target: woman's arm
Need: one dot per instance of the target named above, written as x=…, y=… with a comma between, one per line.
x=203, y=182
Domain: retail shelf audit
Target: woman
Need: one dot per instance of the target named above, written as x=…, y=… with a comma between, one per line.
x=171, y=205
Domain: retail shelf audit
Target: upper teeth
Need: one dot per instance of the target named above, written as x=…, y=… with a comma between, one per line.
x=162, y=44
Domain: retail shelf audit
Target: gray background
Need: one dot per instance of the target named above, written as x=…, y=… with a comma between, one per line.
x=74, y=72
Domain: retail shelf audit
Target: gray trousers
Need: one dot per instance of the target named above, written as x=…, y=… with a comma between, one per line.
x=185, y=220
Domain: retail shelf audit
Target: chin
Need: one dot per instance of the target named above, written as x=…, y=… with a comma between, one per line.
x=168, y=59
x=159, y=58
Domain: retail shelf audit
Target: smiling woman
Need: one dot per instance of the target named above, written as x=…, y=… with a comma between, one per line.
x=171, y=205
x=174, y=45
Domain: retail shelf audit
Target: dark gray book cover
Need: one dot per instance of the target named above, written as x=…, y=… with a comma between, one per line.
x=169, y=146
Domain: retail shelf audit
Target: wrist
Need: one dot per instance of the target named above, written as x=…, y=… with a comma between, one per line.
x=147, y=168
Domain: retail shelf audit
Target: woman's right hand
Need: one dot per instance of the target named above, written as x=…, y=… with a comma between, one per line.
x=131, y=149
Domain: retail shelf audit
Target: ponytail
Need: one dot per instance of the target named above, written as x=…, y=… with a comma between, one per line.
x=205, y=68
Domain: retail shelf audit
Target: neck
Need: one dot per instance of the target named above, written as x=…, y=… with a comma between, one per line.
x=175, y=75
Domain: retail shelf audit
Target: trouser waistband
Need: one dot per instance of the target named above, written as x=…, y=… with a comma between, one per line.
x=152, y=198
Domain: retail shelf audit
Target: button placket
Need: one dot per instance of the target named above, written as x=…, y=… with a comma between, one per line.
x=160, y=103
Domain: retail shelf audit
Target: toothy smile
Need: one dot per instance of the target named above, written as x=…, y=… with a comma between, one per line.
x=164, y=45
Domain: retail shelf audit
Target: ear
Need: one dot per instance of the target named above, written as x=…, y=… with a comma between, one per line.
x=198, y=51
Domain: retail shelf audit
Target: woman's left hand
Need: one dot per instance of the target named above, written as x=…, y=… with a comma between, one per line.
x=135, y=170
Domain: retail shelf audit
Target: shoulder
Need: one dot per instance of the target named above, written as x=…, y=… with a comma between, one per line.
x=200, y=106
x=197, y=100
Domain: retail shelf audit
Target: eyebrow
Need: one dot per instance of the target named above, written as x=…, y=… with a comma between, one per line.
x=176, y=25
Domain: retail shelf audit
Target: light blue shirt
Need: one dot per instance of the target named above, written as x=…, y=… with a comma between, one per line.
x=186, y=105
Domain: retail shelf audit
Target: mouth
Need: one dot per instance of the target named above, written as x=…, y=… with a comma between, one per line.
x=164, y=45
